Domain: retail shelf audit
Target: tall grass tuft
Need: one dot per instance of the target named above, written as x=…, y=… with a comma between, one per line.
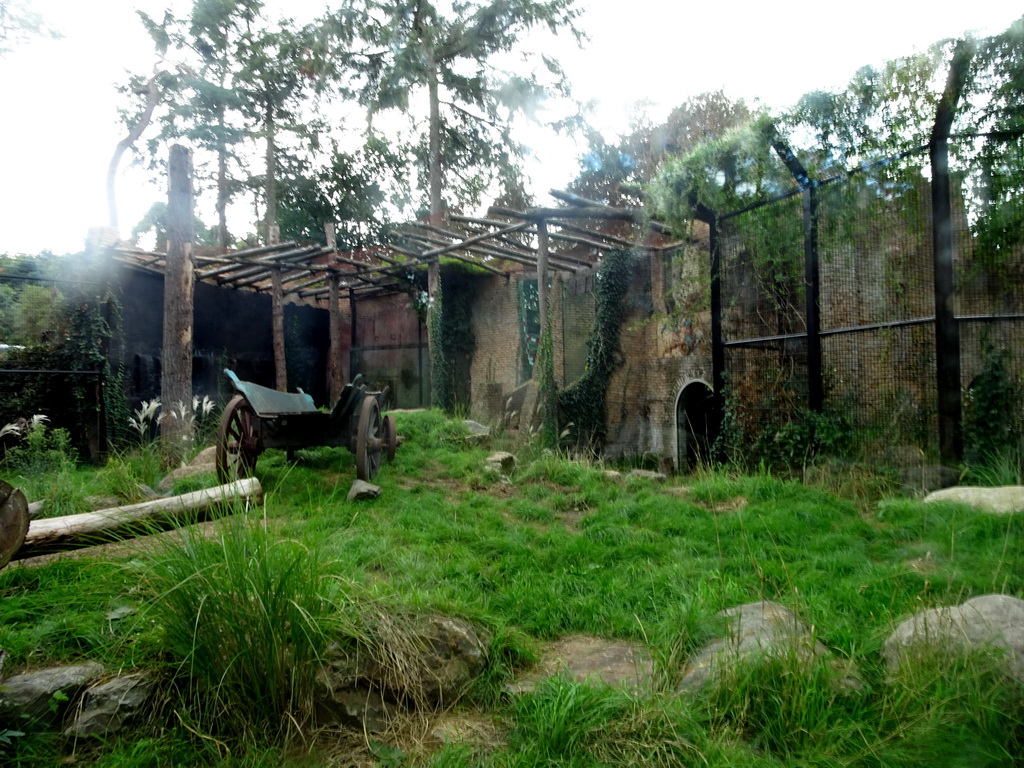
x=244, y=623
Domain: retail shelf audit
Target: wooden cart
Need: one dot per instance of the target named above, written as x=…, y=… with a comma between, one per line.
x=258, y=418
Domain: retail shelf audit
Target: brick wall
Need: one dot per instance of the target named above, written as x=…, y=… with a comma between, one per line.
x=494, y=370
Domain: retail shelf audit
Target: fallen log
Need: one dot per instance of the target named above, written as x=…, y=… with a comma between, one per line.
x=56, y=534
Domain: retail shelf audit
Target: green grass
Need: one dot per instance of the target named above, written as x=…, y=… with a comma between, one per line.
x=562, y=550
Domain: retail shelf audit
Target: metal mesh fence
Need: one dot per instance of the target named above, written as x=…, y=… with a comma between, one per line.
x=877, y=297
x=50, y=347
x=877, y=302
x=763, y=294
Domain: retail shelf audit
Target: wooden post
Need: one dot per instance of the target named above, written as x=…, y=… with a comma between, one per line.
x=176, y=381
x=542, y=285
x=434, y=352
x=335, y=376
x=277, y=318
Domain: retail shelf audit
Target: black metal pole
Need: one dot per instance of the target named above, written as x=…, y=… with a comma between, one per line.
x=947, y=331
x=717, y=332
x=812, y=285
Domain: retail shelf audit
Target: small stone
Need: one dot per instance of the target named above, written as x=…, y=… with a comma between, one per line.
x=502, y=461
x=363, y=491
x=479, y=433
x=612, y=474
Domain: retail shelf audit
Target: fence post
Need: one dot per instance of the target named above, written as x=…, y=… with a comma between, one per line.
x=812, y=284
x=947, y=330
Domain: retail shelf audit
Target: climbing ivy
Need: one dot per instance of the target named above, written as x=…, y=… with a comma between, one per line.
x=582, y=404
x=440, y=394
x=548, y=393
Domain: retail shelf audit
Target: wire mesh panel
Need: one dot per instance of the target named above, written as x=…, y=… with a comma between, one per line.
x=988, y=231
x=877, y=301
x=763, y=322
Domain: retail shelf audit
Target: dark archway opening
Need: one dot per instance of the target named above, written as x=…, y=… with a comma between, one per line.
x=696, y=426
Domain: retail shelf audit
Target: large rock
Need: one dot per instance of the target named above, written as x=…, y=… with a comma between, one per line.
x=110, y=706
x=756, y=630
x=427, y=660
x=1000, y=501
x=204, y=462
x=453, y=654
x=989, y=621
x=45, y=693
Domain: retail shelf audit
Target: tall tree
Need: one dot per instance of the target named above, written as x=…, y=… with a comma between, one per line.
x=397, y=49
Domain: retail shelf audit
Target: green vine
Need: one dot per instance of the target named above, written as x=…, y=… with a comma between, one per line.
x=451, y=341
x=582, y=404
x=549, y=426
x=440, y=394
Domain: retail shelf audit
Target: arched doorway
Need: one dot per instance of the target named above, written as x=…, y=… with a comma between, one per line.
x=695, y=425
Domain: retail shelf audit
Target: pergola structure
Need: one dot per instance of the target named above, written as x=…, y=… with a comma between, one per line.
x=505, y=241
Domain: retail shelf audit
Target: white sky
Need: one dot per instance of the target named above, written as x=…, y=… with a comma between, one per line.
x=58, y=124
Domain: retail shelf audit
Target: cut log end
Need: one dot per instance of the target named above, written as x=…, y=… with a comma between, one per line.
x=13, y=521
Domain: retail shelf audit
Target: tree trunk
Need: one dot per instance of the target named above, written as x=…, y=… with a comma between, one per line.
x=176, y=384
x=14, y=521
x=434, y=147
x=335, y=377
x=222, y=185
x=270, y=188
x=152, y=99
x=71, y=531
x=277, y=309
x=542, y=283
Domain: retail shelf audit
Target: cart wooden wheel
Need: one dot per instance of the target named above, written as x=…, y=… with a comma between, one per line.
x=238, y=445
x=390, y=437
x=369, y=445
x=13, y=521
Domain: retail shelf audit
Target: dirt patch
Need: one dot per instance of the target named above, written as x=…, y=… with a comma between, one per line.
x=734, y=504
x=923, y=564
x=586, y=658
x=414, y=736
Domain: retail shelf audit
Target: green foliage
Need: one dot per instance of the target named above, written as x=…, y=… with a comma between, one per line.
x=582, y=403
x=455, y=322
x=243, y=620
x=550, y=428
x=614, y=173
x=42, y=450
x=441, y=395
x=993, y=418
